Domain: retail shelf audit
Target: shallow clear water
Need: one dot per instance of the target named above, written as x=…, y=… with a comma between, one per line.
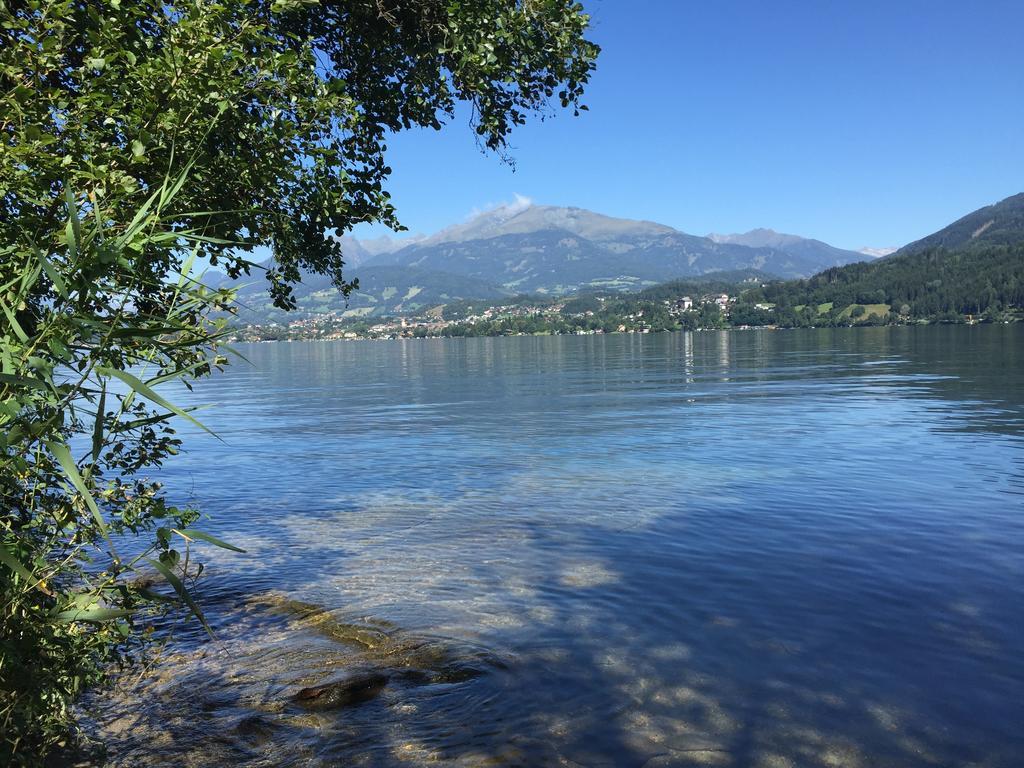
x=751, y=548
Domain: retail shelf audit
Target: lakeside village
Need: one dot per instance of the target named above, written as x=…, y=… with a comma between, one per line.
x=584, y=315
x=661, y=308
x=577, y=316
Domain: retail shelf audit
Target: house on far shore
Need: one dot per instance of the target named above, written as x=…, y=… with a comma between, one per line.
x=684, y=304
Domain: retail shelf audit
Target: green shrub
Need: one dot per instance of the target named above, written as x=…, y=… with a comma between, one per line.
x=88, y=338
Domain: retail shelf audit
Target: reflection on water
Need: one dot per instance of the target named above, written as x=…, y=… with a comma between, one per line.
x=741, y=549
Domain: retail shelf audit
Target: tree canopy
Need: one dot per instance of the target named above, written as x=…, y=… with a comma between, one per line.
x=283, y=107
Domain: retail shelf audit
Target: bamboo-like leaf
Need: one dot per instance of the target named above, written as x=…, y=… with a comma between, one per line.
x=120, y=333
x=12, y=562
x=23, y=381
x=186, y=268
x=97, y=430
x=53, y=274
x=140, y=216
x=175, y=582
x=15, y=325
x=63, y=455
x=29, y=277
x=146, y=391
x=231, y=349
x=94, y=615
x=191, y=533
x=156, y=597
x=124, y=426
x=167, y=193
x=177, y=373
x=73, y=232
x=9, y=559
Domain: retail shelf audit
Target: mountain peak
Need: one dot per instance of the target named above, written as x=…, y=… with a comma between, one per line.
x=387, y=244
x=760, y=238
x=524, y=216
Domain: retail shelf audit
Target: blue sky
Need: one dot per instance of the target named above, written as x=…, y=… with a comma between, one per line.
x=859, y=123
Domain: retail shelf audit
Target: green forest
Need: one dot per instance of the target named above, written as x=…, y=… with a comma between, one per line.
x=934, y=285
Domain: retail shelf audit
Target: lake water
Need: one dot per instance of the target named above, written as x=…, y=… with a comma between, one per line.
x=790, y=548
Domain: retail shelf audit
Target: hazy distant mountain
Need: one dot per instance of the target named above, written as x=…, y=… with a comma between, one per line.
x=358, y=251
x=528, y=248
x=998, y=224
x=383, y=290
x=877, y=253
x=809, y=249
x=522, y=217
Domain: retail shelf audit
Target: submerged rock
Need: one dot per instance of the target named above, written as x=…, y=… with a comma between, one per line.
x=255, y=729
x=287, y=678
x=317, y=618
x=347, y=691
x=416, y=659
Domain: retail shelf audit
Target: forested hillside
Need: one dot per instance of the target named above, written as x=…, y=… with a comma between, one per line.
x=934, y=284
x=998, y=224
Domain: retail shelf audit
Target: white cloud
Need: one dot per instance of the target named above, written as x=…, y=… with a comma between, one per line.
x=521, y=202
x=518, y=203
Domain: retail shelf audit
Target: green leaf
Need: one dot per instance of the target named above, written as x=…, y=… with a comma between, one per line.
x=63, y=455
x=15, y=325
x=156, y=597
x=7, y=558
x=138, y=150
x=22, y=381
x=51, y=272
x=73, y=231
x=97, y=429
x=191, y=533
x=94, y=615
x=147, y=392
x=175, y=582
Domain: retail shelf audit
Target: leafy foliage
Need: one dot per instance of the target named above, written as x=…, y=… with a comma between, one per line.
x=90, y=332
x=285, y=106
x=138, y=138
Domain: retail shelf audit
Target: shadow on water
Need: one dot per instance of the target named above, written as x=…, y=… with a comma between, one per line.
x=584, y=687
x=651, y=552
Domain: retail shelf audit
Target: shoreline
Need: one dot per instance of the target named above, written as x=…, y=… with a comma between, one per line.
x=637, y=332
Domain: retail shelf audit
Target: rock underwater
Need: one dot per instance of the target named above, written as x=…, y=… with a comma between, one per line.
x=383, y=653
x=351, y=689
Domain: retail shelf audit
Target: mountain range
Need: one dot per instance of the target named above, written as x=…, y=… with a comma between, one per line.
x=549, y=250
x=523, y=248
